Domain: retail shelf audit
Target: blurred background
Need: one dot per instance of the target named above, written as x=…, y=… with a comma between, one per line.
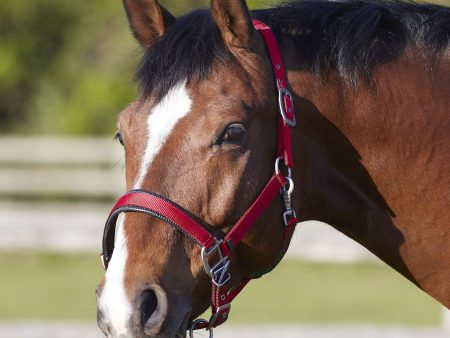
x=66, y=70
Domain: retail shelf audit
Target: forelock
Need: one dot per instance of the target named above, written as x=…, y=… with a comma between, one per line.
x=186, y=52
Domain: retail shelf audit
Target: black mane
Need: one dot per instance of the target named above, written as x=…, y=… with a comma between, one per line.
x=349, y=37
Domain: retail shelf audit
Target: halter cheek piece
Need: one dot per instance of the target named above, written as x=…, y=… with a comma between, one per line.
x=216, y=251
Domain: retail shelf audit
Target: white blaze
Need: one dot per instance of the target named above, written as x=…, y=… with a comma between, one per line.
x=113, y=301
x=160, y=123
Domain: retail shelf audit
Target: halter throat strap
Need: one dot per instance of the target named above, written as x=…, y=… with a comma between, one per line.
x=216, y=251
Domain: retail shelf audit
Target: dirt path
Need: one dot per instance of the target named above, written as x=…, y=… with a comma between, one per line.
x=75, y=330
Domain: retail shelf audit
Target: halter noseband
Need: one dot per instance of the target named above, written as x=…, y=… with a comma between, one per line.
x=220, y=249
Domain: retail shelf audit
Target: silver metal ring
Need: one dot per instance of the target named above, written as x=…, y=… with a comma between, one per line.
x=277, y=167
x=290, y=190
x=199, y=322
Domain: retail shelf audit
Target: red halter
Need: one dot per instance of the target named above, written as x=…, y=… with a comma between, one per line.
x=214, y=247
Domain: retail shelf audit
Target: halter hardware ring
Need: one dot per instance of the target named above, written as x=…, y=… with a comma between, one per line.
x=197, y=322
x=216, y=314
x=277, y=167
x=289, y=190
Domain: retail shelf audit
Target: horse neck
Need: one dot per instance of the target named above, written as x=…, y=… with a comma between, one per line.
x=352, y=152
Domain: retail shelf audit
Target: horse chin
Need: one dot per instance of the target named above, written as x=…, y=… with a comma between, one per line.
x=181, y=332
x=172, y=330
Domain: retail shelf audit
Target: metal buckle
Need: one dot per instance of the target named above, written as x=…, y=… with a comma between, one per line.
x=286, y=192
x=282, y=93
x=288, y=215
x=214, y=317
x=219, y=272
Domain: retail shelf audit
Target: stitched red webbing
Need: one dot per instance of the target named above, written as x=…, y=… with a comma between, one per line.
x=244, y=224
x=150, y=203
x=171, y=211
x=284, y=138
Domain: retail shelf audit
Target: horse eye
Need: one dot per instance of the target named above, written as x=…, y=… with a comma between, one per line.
x=118, y=136
x=233, y=134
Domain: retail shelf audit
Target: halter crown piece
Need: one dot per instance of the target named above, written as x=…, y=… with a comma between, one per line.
x=216, y=251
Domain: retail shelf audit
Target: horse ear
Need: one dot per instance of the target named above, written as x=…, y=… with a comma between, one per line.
x=148, y=20
x=234, y=22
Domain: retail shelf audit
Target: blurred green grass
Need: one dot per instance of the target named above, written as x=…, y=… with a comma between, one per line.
x=331, y=293
x=61, y=287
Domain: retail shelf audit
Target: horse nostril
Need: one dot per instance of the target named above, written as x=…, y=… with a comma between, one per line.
x=148, y=305
x=153, y=310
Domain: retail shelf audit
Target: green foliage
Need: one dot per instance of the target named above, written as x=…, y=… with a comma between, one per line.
x=66, y=67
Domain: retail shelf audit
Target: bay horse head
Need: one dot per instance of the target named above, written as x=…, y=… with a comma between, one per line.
x=203, y=134
x=204, y=215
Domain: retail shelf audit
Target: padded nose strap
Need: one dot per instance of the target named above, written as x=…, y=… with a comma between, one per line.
x=158, y=206
x=155, y=205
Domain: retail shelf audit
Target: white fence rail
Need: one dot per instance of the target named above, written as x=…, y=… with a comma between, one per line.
x=60, y=167
x=55, y=194
x=44, y=180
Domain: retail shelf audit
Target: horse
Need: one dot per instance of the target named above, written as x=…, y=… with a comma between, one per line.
x=369, y=84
